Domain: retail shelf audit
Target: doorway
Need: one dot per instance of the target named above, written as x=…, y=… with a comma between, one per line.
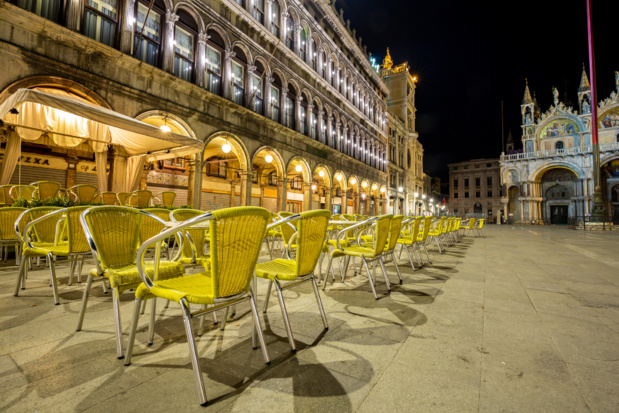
x=558, y=214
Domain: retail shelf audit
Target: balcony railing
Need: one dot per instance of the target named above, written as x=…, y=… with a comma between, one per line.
x=604, y=147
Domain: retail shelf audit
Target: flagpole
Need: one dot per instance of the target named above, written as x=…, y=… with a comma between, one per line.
x=598, y=212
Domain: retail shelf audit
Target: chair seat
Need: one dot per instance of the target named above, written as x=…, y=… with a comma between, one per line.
x=127, y=277
x=406, y=240
x=280, y=268
x=43, y=248
x=203, y=261
x=355, y=251
x=195, y=288
x=343, y=242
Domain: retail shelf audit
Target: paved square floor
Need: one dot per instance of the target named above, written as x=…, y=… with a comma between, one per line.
x=525, y=319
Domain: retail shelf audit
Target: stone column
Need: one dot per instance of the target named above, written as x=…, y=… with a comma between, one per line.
x=227, y=75
x=118, y=178
x=262, y=195
x=329, y=199
x=307, y=196
x=127, y=27
x=282, y=104
x=72, y=172
x=201, y=59
x=168, y=42
x=319, y=127
x=191, y=182
x=282, y=196
x=248, y=184
x=297, y=39
x=196, y=198
x=232, y=192
x=355, y=202
x=342, y=142
x=329, y=139
x=268, y=18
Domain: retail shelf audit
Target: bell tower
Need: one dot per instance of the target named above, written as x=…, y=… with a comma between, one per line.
x=528, y=110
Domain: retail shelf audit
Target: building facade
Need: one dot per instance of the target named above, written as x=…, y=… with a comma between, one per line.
x=551, y=179
x=474, y=189
x=405, y=149
x=292, y=114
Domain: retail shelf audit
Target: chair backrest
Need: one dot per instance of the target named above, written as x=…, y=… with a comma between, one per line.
x=480, y=225
x=311, y=232
x=47, y=189
x=122, y=198
x=8, y=216
x=236, y=236
x=115, y=231
x=383, y=224
x=427, y=224
x=22, y=192
x=44, y=231
x=149, y=227
x=84, y=193
x=142, y=198
x=75, y=232
x=109, y=198
x=6, y=189
x=197, y=235
x=415, y=228
x=168, y=197
x=287, y=230
x=394, y=231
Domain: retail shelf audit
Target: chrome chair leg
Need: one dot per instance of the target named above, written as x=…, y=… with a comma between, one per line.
x=151, y=324
x=282, y=306
x=370, y=277
x=87, y=287
x=329, y=267
x=52, y=269
x=319, y=301
x=21, y=277
x=193, y=353
x=410, y=258
x=119, y=331
x=382, y=266
x=223, y=321
x=258, y=328
x=71, y=272
x=132, y=331
x=266, y=299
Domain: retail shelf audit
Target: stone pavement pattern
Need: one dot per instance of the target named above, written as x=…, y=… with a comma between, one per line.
x=525, y=319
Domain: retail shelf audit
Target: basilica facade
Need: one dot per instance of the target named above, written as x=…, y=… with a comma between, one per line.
x=551, y=179
x=292, y=114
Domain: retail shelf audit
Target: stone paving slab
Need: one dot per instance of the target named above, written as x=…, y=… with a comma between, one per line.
x=523, y=319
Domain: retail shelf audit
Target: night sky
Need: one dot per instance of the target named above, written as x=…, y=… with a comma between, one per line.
x=470, y=56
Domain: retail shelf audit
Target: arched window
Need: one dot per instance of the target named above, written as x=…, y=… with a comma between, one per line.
x=259, y=11
x=147, y=42
x=257, y=90
x=289, y=107
x=214, y=68
x=332, y=70
x=559, y=145
x=276, y=91
x=324, y=65
x=241, y=3
x=48, y=9
x=342, y=86
x=323, y=129
x=101, y=20
x=290, y=29
x=303, y=45
x=275, y=16
x=304, y=117
x=314, y=123
x=343, y=83
x=313, y=54
x=238, y=66
x=185, y=33
x=340, y=139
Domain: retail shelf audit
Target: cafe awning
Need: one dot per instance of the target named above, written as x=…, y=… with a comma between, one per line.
x=69, y=121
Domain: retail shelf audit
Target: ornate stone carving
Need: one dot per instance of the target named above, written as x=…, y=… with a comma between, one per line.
x=170, y=17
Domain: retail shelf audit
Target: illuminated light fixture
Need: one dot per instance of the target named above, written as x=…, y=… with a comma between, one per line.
x=400, y=189
x=313, y=187
x=416, y=194
x=226, y=148
x=363, y=196
x=338, y=177
x=298, y=168
x=374, y=187
x=414, y=78
x=364, y=184
x=382, y=189
x=321, y=174
x=353, y=181
x=268, y=158
x=165, y=127
x=423, y=196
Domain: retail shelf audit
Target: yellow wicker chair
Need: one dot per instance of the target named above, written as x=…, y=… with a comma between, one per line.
x=109, y=198
x=8, y=236
x=6, y=195
x=308, y=241
x=46, y=189
x=422, y=238
x=83, y=193
x=167, y=198
x=22, y=192
x=479, y=225
x=121, y=197
x=235, y=238
x=394, y=233
x=113, y=233
x=408, y=239
x=366, y=253
x=436, y=229
x=140, y=198
x=74, y=249
x=192, y=251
